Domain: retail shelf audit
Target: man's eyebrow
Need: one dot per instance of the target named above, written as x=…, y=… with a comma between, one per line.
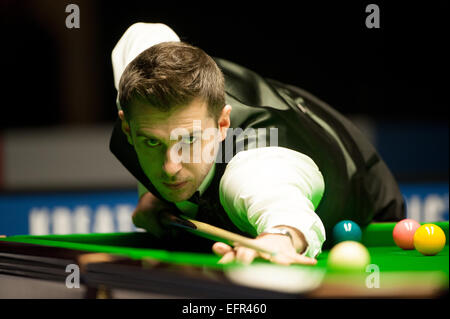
x=145, y=134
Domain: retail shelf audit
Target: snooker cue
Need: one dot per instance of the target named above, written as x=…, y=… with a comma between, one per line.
x=191, y=224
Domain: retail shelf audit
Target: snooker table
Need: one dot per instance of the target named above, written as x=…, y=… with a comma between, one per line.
x=127, y=265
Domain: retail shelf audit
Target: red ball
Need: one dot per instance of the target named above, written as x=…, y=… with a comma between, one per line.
x=403, y=233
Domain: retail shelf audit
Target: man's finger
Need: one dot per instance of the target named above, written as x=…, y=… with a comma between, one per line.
x=227, y=258
x=245, y=255
x=299, y=259
x=293, y=259
x=147, y=221
x=221, y=248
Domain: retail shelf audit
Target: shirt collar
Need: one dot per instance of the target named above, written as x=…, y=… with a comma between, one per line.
x=190, y=208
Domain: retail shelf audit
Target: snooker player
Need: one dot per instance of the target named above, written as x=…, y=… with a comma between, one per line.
x=287, y=196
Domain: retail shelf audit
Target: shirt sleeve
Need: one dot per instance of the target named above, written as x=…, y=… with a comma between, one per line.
x=271, y=186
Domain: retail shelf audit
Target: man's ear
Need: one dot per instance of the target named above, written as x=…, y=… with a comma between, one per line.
x=125, y=127
x=224, y=121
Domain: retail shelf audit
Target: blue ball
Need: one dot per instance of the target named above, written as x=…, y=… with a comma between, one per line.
x=346, y=230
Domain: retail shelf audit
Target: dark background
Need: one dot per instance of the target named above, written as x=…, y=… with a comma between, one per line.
x=57, y=76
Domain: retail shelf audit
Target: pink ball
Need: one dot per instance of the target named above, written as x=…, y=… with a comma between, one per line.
x=403, y=233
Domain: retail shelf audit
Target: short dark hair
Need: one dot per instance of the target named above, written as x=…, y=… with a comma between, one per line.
x=172, y=74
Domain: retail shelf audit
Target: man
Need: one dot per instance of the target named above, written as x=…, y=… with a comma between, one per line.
x=217, y=142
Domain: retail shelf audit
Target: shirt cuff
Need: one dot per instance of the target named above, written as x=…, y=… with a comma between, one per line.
x=313, y=232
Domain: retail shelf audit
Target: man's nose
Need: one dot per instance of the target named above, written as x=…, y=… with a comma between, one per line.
x=173, y=162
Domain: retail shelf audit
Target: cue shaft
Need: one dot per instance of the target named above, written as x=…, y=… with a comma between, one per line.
x=230, y=236
x=192, y=224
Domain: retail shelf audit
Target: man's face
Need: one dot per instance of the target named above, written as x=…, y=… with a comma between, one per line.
x=168, y=144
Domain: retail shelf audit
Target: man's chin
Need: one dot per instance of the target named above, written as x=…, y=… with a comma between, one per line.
x=175, y=197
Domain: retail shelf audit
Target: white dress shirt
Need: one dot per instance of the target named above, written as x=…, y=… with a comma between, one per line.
x=272, y=186
x=261, y=188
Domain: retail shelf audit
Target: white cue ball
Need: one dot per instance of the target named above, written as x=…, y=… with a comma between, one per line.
x=348, y=256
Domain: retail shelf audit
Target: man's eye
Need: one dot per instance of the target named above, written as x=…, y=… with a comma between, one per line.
x=152, y=142
x=189, y=139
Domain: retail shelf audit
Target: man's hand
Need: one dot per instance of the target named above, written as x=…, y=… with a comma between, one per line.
x=146, y=214
x=287, y=253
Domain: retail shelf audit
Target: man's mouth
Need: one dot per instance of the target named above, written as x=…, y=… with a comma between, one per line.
x=175, y=185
